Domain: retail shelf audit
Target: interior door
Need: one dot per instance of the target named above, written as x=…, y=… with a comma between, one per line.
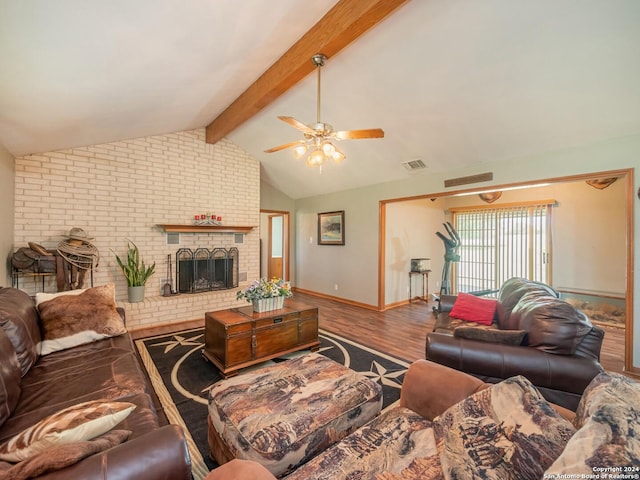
x=276, y=247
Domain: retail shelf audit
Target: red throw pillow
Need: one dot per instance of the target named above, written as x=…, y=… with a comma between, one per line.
x=474, y=309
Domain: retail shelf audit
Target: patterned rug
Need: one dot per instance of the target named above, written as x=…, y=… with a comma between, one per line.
x=181, y=378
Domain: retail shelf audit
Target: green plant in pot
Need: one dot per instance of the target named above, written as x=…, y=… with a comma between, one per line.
x=136, y=272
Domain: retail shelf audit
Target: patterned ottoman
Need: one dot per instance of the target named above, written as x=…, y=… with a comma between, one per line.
x=285, y=414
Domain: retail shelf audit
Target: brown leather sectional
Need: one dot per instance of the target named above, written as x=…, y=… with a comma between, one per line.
x=560, y=353
x=33, y=387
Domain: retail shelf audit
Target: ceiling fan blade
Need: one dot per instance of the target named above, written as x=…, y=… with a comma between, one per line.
x=358, y=134
x=286, y=145
x=296, y=124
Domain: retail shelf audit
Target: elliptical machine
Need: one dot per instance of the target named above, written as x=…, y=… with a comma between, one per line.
x=451, y=245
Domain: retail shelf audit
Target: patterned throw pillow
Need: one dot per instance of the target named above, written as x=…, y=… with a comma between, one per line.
x=608, y=419
x=77, y=423
x=72, y=319
x=607, y=388
x=506, y=431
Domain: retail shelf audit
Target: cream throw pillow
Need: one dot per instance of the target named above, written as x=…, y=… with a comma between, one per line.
x=77, y=423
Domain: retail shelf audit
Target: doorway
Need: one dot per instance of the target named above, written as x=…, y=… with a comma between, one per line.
x=589, y=260
x=274, y=239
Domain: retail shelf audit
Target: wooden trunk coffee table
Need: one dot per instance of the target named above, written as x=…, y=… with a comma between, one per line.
x=239, y=337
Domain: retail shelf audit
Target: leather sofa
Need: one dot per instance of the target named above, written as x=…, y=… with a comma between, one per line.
x=559, y=352
x=105, y=370
x=599, y=434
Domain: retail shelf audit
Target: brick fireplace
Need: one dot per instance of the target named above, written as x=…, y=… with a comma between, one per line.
x=205, y=270
x=123, y=190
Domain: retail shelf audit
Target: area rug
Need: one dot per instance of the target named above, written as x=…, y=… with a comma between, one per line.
x=181, y=378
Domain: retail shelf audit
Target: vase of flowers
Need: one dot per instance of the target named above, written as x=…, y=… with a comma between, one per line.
x=266, y=295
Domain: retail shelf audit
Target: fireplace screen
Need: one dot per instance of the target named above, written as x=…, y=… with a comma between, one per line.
x=203, y=270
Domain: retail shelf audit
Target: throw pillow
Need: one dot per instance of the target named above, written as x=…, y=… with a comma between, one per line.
x=45, y=297
x=505, y=431
x=607, y=388
x=61, y=456
x=74, y=424
x=474, y=309
x=492, y=335
x=608, y=436
x=78, y=318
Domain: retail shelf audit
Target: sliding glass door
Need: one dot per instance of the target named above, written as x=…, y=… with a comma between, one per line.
x=498, y=243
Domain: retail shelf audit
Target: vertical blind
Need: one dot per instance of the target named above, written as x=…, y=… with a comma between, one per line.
x=500, y=243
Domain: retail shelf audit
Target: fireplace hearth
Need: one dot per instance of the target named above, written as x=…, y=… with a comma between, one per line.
x=204, y=270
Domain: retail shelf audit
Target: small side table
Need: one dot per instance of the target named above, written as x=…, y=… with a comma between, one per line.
x=425, y=284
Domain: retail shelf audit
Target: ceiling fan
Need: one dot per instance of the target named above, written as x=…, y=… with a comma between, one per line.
x=319, y=136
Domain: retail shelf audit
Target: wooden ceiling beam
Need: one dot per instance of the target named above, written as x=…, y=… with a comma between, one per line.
x=344, y=23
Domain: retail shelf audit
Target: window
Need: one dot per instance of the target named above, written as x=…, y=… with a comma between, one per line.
x=498, y=243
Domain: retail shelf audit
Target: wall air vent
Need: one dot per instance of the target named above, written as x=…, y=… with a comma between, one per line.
x=413, y=165
x=173, y=238
x=481, y=177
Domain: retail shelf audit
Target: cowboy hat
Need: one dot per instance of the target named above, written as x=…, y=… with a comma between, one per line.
x=77, y=233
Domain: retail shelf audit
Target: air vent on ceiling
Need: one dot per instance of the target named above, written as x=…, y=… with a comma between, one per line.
x=413, y=165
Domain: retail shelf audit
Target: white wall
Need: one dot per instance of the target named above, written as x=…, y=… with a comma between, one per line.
x=122, y=190
x=6, y=214
x=590, y=239
x=352, y=267
x=410, y=233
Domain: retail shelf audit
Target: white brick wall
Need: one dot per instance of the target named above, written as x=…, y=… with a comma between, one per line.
x=122, y=190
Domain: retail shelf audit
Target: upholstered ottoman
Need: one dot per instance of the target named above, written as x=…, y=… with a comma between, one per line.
x=285, y=414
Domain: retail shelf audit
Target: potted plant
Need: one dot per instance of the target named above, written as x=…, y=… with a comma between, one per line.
x=266, y=295
x=136, y=272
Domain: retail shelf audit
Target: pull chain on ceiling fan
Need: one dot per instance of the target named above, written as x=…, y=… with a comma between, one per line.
x=318, y=136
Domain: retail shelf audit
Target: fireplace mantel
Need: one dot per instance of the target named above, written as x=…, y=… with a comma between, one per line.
x=204, y=228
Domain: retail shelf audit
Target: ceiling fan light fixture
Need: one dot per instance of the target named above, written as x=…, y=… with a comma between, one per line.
x=338, y=157
x=316, y=158
x=318, y=135
x=328, y=149
x=299, y=151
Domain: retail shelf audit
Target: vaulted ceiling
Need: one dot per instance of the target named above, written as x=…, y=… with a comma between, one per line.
x=455, y=83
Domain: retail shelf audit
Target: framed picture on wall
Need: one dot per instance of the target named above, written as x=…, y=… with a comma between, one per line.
x=331, y=228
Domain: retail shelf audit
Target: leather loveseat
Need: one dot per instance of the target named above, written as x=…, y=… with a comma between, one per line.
x=34, y=386
x=558, y=349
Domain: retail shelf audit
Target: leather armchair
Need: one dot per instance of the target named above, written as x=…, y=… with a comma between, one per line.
x=560, y=353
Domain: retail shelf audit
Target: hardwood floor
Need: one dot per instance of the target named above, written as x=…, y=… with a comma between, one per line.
x=400, y=331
